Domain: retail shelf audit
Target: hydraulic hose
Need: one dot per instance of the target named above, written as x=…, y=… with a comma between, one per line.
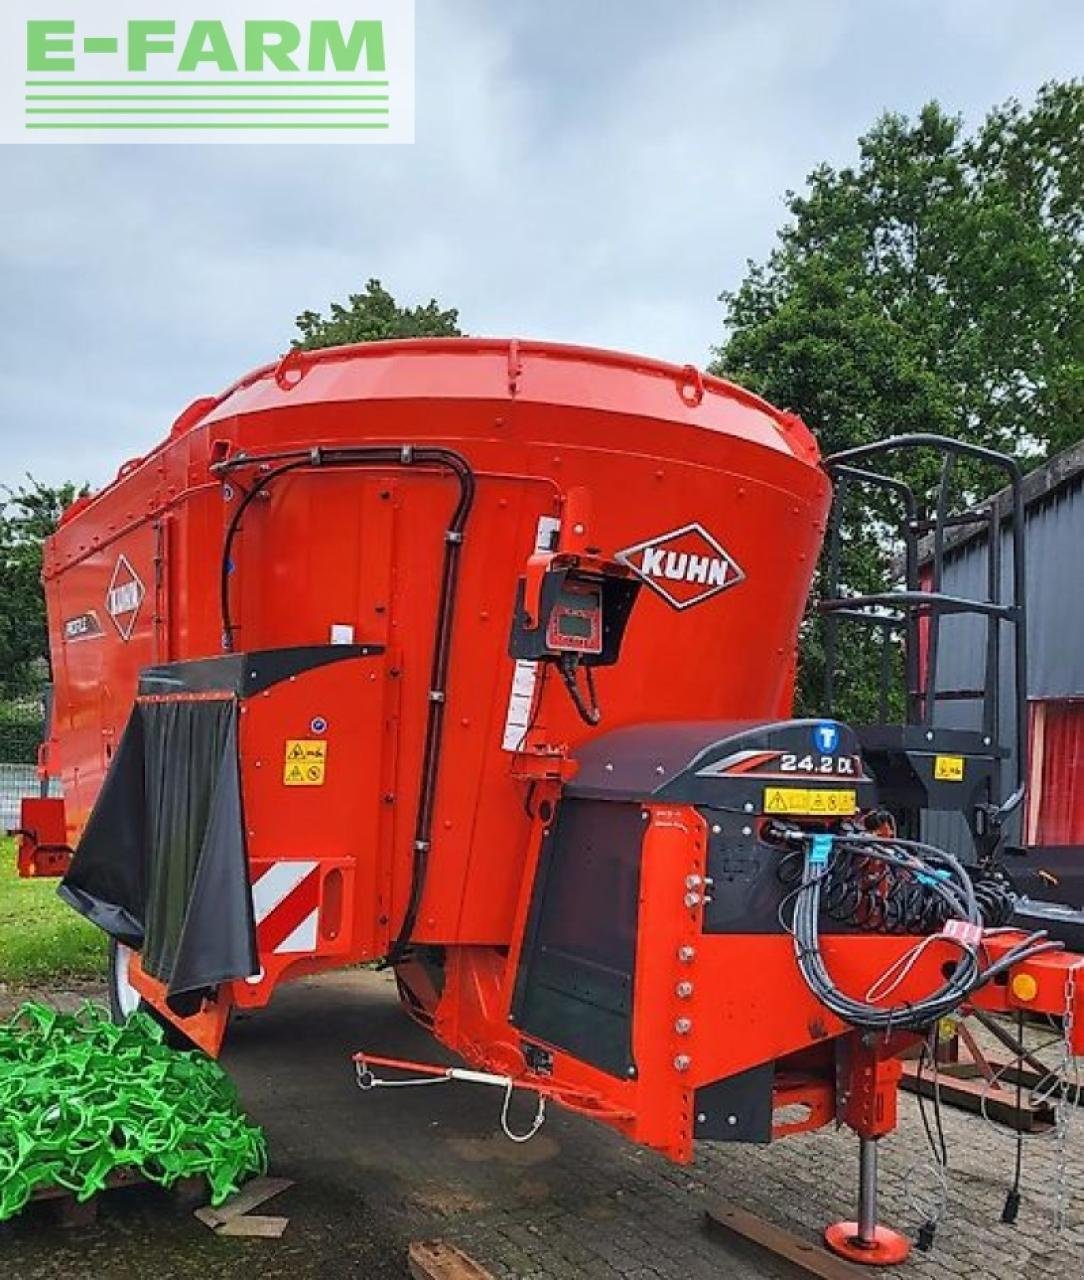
x=937, y=897
x=403, y=455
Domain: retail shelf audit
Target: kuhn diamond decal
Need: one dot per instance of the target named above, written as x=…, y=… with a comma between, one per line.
x=685, y=566
x=124, y=596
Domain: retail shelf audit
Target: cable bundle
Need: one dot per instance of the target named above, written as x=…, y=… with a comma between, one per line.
x=80, y=1098
x=891, y=885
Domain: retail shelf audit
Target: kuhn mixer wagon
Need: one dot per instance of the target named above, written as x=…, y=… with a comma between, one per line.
x=476, y=658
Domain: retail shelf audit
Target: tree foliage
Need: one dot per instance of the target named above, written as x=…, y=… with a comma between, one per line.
x=373, y=316
x=934, y=285
x=28, y=514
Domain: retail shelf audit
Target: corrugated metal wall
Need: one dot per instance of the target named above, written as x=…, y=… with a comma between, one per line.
x=1055, y=599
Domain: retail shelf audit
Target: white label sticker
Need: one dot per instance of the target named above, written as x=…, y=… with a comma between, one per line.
x=525, y=677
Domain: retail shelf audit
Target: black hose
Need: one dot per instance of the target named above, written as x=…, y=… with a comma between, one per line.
x=911, y=870
x=405, y=455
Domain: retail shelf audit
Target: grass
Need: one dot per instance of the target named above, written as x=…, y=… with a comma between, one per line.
x=41, y=939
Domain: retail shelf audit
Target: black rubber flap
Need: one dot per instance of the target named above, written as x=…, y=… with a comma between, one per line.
x=162, y=863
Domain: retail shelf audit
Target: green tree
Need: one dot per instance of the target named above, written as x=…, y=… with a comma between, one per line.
x=373, y=316
x=934, y=285
x=28, y=514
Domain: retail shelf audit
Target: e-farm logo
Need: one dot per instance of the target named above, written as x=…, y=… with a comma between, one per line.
x=207, y=71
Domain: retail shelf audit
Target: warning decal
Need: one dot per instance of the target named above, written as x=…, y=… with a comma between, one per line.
x=948, y=768
x=808, y=801
x=304, y=762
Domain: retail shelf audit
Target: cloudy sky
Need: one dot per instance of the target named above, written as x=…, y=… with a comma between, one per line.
x=585, y=170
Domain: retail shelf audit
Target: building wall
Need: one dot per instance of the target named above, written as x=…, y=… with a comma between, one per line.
x=1055, y=599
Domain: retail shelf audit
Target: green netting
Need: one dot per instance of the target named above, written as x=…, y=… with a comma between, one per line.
x=81, y=1097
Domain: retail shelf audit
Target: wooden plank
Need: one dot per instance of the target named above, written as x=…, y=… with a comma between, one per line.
x=436, y=1260
x=251, y=1195
x=809, y=1257
x=968, y=1094
x=254, y=1225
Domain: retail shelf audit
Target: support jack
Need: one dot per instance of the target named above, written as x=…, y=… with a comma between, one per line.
x=866, y=1241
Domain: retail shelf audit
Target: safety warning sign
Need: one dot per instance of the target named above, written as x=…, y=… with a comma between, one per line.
x=304, y=762
x=809, y=802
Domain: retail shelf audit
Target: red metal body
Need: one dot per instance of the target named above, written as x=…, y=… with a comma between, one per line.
x=713, y=497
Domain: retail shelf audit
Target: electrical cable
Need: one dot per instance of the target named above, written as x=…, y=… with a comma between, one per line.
x=887, y=884
x=588, y=711
x=1012, y=1199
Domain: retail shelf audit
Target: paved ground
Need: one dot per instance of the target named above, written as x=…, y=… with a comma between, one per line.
x=375, y=1171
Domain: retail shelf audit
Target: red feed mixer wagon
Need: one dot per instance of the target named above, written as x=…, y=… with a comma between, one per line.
x=476, y=658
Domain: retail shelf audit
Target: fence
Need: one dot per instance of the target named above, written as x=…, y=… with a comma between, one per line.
x=20, y=735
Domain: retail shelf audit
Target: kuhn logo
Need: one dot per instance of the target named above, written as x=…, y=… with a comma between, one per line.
x=685, y=566
x=123, y=598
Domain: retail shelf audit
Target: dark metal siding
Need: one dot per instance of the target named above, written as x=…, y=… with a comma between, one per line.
x=1055, y=598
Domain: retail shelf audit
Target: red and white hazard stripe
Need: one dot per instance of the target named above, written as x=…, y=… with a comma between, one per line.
x=286, y=904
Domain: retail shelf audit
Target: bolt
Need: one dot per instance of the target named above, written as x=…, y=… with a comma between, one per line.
x=701, y=1118
x=692, y=899
x=748, y=806
x=732, y=1120
x=686, y=953
x=747, y=831
x=682, y=1062
x=716, y=829
x=693, y=882
x=683, y=990
x=683, y=1026
x=929, y=735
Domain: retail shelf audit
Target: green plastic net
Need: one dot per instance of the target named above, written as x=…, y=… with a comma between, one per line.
x=81, y=1097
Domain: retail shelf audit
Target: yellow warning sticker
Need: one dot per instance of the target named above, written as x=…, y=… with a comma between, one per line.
x=808, y=802
x=948, y=768
x=304, y=762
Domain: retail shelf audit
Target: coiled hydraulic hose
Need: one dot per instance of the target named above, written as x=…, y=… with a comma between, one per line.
x=915, y=884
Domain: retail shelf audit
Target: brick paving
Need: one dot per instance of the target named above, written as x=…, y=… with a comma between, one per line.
x=376, y=1171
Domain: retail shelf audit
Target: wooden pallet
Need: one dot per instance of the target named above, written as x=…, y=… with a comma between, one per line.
x=72, y=1213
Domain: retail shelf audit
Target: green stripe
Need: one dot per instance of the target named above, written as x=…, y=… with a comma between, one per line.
x=206, y=111
x=133, y=82
x=199, y=124
x=207, y=97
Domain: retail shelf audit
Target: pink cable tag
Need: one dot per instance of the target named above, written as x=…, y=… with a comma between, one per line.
x=963, y=931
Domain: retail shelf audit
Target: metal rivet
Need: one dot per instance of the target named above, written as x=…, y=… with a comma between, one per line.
x=682, y=1062
x=686, y=953
x=747, y=831
x=683, y=990
x=716, y=829
x=683, y=1026
x=748, y=807
x=732, y=1120
x=692, y=900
